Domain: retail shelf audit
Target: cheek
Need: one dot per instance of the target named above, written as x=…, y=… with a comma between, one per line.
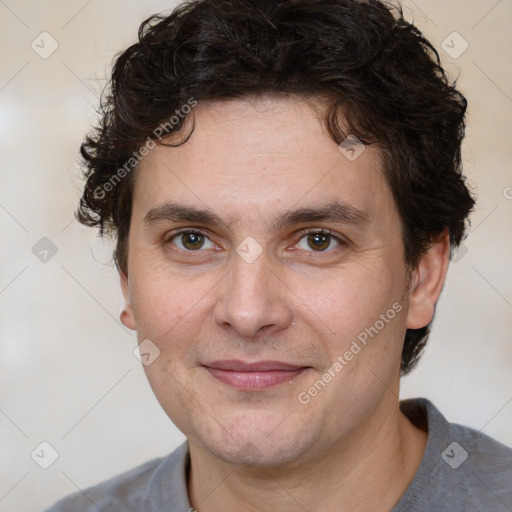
x=350, y=300
x=158, y=303
x=173, y=311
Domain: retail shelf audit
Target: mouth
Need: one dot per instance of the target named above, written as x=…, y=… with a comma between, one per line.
x=253, y=376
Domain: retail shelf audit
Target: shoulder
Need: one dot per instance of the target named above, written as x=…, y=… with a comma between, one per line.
x=461, y=444
x=485, y=461
x=133, y=489
x=462, y=468
x=480, y=468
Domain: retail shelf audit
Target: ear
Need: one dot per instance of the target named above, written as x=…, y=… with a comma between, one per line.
x=427, y=282
x=127, y=317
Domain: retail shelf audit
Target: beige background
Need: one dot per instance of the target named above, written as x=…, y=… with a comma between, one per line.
x=67, y=372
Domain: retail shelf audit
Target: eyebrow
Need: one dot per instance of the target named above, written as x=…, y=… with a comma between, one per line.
x=337, y=211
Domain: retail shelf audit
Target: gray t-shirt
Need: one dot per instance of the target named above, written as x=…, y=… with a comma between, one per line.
x=462, y=470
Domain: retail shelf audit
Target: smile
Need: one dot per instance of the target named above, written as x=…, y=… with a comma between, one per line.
x=253, y=376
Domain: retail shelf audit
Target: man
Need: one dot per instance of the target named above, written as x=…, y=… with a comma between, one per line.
x=284, y=182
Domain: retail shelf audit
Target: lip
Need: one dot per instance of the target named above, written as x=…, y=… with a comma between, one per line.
x=253, y=376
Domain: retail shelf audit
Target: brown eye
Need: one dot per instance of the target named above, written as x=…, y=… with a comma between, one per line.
x=319, y=241
x=190, y=240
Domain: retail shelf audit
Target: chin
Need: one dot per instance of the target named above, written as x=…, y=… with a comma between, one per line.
x=258, y=440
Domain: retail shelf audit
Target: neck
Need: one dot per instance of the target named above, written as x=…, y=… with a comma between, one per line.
x=381, y=456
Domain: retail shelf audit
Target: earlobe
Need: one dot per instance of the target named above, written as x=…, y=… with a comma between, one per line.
x=427, y=282
x=127, y=317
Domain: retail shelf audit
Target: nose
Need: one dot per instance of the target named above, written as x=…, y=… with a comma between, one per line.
x=253, y=299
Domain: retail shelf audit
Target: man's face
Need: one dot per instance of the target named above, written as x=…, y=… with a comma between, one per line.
x=262, y=285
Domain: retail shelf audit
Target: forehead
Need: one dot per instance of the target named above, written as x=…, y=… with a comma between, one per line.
x=257, y=155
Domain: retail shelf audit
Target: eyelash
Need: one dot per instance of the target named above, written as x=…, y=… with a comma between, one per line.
x=303, y=233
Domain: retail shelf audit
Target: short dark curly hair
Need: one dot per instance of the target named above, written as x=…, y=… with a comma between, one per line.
x=377, y=71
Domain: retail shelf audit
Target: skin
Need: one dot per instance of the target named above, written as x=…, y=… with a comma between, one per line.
x=249, y=160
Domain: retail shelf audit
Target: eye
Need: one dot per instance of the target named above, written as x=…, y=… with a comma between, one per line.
x=319, y=241
x=190, y=241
